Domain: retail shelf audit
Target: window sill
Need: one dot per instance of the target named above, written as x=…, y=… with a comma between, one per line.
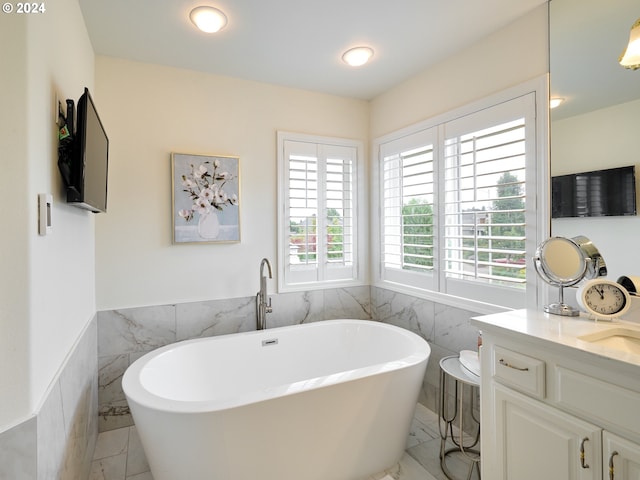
x=445, y=299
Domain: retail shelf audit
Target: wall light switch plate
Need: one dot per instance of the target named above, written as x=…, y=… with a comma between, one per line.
x=45, y=203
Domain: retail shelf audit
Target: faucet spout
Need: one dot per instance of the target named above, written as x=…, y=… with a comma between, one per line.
x=262, y=307
x=262, y=264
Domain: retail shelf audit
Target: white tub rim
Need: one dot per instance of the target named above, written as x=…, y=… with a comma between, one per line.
x=135, y=391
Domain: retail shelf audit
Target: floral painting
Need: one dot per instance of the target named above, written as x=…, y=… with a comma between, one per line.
x=206, y=198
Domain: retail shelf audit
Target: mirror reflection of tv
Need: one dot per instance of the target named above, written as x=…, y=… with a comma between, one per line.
x=601, y=193
x=89, y=161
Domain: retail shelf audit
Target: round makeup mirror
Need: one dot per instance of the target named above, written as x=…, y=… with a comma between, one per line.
x=563, y=262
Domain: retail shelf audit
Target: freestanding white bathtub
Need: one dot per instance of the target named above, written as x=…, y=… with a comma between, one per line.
x=331, y=400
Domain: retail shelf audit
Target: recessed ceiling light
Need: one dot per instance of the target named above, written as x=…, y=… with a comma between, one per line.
x=556, y=101
x=208, y=19
x=357, y=56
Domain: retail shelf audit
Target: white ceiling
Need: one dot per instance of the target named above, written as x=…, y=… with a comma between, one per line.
x=299, y=43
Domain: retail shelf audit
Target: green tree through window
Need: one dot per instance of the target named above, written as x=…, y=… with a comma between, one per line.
x=508, y=226
x=417, y=229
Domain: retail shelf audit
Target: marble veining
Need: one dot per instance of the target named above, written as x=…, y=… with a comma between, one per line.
x=139, y=329
x=454, y=330
x=216, y=317
x=125, y=335
x=405, y=311
x=294, y=308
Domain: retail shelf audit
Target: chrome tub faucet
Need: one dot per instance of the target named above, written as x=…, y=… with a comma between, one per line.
x=262, y=307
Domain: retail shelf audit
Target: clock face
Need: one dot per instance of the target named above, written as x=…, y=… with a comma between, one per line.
x=604, y=298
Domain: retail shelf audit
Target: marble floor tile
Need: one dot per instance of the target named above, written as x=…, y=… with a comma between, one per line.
x=119, y=455
x=141, y=476
x=111, y=443
x=109, y=468
x=136, y=459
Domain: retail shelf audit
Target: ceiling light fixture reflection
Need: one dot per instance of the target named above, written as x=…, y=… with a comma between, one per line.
x=208, y=19
x=357, y=56
x=556, y=101
x=630, y=58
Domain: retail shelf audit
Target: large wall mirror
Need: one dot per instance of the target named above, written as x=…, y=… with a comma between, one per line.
x=598, y=125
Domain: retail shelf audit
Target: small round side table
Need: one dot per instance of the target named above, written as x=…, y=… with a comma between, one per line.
x=465, y=381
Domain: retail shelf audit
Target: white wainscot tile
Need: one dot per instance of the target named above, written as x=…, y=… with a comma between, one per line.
x=414, y=314
x=350, y=302
x=215, y=317
x=51, y=436
x=111, y=370
x=18, y=451
x=135, y=329
x=295, y=308
x=79, y=392
x=453, y=329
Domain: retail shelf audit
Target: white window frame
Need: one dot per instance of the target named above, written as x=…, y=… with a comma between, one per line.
x=423, y=138
x=472, y=295
x=322, y=276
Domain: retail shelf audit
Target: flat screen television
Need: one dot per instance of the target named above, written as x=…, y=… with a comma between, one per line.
x=601, y=193
x=84, y=159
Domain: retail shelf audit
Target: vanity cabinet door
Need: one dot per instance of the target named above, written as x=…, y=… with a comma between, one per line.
x=535, y=441
x=621, y=458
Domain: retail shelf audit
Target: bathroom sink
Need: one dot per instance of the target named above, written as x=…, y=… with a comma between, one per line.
x=618, y=338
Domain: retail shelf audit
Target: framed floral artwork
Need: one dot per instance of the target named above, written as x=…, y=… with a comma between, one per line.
x=205, y=198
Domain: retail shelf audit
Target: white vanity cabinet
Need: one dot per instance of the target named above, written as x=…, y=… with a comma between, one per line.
x=553, y=407
x=622, y=456
x=537, y=442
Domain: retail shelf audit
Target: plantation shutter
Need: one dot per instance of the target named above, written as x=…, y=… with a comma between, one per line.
x=319, y=204
x=407, y=204
x=487, y=156
x=457, y=205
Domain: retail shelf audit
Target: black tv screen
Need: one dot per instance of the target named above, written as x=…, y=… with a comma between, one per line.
x=601, y=193
x=87, y=187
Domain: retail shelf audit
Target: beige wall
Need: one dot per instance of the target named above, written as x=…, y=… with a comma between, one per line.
x=14, y=247
x=511, y=56
x=47, y=286
x=150, y=111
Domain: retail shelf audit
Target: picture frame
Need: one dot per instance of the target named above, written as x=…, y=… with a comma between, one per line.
x=205, y=198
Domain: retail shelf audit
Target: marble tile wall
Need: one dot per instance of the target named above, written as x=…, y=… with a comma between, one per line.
x=18, y=451
x=447, y=329
x=58, y=441
x=125, y=335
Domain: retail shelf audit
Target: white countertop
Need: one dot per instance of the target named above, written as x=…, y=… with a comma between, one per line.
x=559, y=330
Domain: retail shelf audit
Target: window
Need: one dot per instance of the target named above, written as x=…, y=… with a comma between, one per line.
x=484, y=204
x=317, y=195
x=458, y=204
x=408, y=201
